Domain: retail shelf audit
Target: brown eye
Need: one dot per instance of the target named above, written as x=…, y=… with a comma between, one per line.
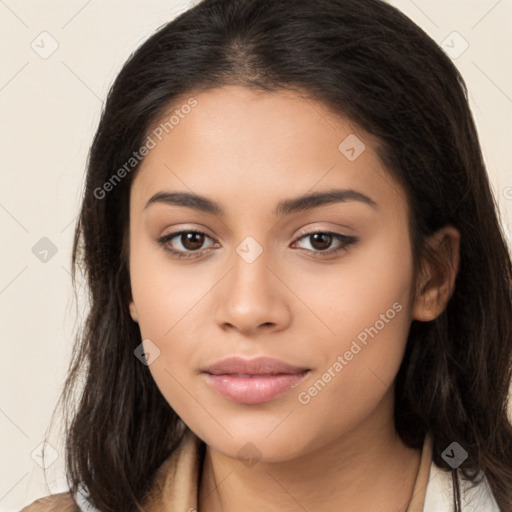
x=192, y=240
x=185, y=244
x=320, y=241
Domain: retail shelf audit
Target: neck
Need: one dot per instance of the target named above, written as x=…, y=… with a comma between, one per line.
x=366, y=469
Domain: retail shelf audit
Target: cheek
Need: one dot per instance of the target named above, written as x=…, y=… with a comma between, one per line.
x=168, y=299
x=351, y=296
x=172, y=303
x=165, y=293
x=366, y=303
x=359, y=374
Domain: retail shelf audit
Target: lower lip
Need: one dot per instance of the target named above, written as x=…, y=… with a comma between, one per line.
x=254, y=390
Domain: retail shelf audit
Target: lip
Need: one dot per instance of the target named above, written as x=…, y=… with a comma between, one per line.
x=253, y=381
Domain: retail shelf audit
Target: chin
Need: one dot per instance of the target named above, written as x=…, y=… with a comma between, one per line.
x=258, y=444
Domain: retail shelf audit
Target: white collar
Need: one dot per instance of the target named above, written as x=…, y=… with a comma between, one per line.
x=439, y=494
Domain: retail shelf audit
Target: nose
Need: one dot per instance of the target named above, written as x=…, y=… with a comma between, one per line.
x=252, y=297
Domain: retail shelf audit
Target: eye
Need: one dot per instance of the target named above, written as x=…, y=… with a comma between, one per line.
x=321, y=242
x=190, y=241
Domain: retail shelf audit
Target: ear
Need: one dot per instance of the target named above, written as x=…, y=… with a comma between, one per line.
x=133, y=311
x=436, y=280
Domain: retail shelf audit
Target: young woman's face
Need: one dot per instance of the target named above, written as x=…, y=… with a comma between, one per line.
x=332, y=310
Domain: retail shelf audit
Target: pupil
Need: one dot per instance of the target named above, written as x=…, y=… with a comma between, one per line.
x=192, y=240
x=318, y=237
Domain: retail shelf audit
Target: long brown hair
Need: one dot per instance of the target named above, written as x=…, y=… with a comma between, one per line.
x=368, y=62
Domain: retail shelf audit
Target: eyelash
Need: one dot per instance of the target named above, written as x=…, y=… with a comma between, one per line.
x=345, y=241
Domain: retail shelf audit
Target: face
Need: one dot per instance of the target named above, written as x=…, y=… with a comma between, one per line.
x=255, y=270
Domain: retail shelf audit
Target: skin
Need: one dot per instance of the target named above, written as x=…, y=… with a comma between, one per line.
x=247, y=151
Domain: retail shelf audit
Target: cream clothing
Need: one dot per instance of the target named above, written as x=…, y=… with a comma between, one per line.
x=175, y=488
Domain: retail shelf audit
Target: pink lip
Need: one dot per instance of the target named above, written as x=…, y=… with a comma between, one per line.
x=253, y=381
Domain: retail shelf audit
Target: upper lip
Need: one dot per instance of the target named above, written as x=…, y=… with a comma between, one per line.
x=256, y=366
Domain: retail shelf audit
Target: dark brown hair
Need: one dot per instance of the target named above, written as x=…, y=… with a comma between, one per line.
x=369, y=63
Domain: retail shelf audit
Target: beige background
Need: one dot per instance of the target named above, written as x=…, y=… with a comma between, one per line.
x=49, y=110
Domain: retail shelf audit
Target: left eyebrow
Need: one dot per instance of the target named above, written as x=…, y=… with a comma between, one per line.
x=316, y=199
x=285, y=207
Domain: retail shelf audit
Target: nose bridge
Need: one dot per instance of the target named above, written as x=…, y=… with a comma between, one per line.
x=250, y=266
x=251, y=295
x=249, y=280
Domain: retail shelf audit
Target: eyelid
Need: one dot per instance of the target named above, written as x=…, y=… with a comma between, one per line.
x=164, y=239
x=345, y=241
x=334, y=231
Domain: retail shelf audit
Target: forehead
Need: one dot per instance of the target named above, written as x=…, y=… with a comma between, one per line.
x=259, y=146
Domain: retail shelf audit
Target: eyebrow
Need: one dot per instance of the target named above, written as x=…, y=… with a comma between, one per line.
x=286, y=207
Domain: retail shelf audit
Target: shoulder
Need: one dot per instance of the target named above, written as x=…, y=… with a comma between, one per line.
x=55, y=503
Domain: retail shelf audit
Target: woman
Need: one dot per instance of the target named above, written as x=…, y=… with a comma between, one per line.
x=300, y=292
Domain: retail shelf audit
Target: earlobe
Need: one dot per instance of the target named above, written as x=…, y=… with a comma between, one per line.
x=133, y=311
x=437, y=278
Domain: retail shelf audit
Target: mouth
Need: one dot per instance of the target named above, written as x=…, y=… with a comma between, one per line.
x=253, y=381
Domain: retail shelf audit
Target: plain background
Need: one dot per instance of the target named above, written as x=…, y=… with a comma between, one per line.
x=50, y=108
